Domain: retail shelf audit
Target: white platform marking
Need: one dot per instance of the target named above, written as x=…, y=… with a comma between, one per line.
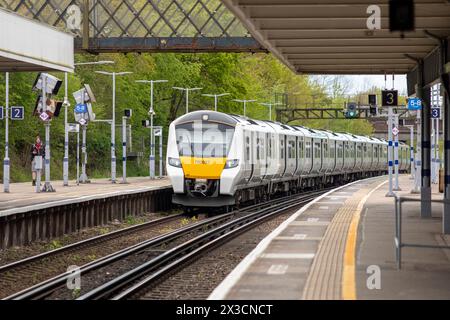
x=324, y=208
x=309, y=223
x=331, y=202
x=278, y=269
x=287, y=255
x=312, y=219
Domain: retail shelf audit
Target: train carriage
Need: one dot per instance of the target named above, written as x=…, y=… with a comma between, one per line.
x=220, y=160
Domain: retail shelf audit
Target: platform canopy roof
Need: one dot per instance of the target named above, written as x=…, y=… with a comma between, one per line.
x=332, y=37
x=27, y=45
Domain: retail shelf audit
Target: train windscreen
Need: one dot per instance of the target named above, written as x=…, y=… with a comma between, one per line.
x=204, y=139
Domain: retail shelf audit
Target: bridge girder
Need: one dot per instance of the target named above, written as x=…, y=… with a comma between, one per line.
x=142, y=25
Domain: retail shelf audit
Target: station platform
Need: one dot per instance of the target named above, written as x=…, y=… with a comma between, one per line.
x=341, y=246
x=27, y=216
x=24, y=194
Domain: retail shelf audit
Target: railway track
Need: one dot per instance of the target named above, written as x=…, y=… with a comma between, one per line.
x=133, y=283
x=16, y=275
x=160, y=250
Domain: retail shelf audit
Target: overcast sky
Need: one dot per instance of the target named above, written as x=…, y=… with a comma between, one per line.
x=363, y=82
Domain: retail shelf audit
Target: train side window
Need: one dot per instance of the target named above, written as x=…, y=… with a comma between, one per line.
x=247, y=148
x=291, y=149
x=282, y=147
x=300, y=149
x=257, y=148
x=308, y=149
x=262, y=148
x=317, y=150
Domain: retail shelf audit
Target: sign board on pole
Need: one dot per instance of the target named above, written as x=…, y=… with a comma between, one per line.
x=157, y=132
x=389, y=98
x=73, y=127
x=44, y=116
x=395, y=131
x=82, y=121
x=414, y=104
x=81, y=108
x=1, y=113
x=17, y=113
x=436, y=113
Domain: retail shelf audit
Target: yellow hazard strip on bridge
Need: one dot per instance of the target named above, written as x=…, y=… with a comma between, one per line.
x=349, y=275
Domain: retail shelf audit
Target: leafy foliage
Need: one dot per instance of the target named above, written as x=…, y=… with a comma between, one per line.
x=250, y=76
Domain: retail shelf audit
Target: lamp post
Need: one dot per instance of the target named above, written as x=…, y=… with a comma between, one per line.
x=245, y=104
x=187, y=94
x=270, y=104
x=216, y=96
x=66, y=131
x=151, y=112
x=6, y=159
x=411, y=148
x=113, y=120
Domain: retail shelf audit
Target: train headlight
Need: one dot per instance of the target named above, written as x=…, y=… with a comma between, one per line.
x=231, y=163
x=175, y=162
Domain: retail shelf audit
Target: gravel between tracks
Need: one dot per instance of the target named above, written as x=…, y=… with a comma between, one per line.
x=17, y=279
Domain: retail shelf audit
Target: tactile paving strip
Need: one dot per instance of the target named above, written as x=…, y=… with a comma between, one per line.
x=325, y=277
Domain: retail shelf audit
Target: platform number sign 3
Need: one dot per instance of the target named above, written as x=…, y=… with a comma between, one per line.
x=435, y=113
x=389, y=98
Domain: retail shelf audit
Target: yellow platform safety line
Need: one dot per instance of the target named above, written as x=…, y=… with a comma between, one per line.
x=348, y=273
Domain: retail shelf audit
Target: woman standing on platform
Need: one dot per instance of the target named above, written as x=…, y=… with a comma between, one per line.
x=38, y=149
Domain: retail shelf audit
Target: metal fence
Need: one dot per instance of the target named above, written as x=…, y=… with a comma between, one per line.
x=399, y=244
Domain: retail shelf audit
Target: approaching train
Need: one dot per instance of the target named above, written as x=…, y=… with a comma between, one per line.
x=221, y=160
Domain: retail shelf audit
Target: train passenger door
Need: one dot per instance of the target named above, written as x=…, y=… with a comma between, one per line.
x=283, y=158
x=248, y=171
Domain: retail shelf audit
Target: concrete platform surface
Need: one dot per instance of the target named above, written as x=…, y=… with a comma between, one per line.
x=23, y=195
x=341, y=246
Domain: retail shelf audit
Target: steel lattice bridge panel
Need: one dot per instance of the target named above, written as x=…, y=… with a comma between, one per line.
x=142, y=25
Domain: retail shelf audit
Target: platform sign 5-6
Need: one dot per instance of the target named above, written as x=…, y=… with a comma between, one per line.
x=414, y=104
x=435, y=113
x=389, y=98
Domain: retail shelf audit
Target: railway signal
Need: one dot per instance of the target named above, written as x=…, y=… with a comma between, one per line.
x=351, y=112
x=373, y=104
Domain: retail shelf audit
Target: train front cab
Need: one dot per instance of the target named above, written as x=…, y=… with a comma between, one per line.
x=203, y=159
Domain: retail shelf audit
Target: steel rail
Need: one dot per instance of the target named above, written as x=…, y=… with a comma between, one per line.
x=87, y=242
x=47, y=287
x=183, y=251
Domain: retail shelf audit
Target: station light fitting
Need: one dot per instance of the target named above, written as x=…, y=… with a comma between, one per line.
x=53, y=83
x=401, y=15
x=88, y=95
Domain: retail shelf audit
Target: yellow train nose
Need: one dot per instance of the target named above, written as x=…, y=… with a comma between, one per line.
x=202, y=168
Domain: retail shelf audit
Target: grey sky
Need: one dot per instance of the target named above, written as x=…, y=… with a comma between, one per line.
x=363, y=82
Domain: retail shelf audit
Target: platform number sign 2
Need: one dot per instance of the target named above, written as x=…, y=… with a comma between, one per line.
x=17, y=113
x=389, y=98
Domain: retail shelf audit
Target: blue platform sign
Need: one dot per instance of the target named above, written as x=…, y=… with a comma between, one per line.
x=436, y=113
x=1, y=113
x=414, y=104
x=17, y=113
x=81, y=108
